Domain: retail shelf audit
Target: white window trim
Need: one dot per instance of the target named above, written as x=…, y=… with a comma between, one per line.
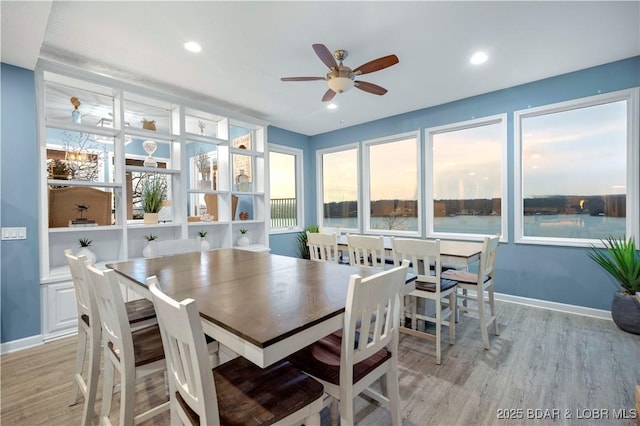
x=366, y=188
x=319, y=181
x=299, y=160
x=500, y=119
x=633, y=164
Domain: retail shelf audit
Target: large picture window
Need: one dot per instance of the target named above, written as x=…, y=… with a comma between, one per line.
x=391, y=185
x=338, y=189
x=574, y=170
x=285, y=180
x=466, y=167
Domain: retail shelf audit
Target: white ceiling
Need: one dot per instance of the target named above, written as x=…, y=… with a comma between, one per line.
x=248, y=46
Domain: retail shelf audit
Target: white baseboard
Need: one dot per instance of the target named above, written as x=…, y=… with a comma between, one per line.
x=20, y=344
x=555, y=306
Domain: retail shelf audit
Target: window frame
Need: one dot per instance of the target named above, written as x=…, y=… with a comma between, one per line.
x=298, y=155
x=501, y=120
x=366, y=184
x=632, y=159
x=320, y=181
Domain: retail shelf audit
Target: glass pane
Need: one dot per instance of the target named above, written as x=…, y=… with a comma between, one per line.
x=72, y=105
x=340, y=189
x=203, y=166
x=394, y=190
x=467, y=188
x=284, y=211
x=79, y=156
x=574, y=172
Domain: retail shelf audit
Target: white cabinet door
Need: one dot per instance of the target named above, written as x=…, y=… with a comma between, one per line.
x=59, y=314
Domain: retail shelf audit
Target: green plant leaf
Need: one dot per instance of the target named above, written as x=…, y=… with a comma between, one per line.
x=621, y=260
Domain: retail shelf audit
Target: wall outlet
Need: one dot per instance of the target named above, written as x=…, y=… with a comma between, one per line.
x=14, y=233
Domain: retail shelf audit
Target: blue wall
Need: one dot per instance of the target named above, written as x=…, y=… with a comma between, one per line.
x=558, y=274
x=20, y=276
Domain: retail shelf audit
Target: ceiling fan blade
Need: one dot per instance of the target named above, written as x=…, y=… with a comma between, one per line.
x=325, y=55
x=370, y=87
x=328, y=95
x=376, y=65
x=302, y=78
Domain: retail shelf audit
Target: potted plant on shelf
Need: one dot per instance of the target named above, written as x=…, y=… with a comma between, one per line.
x=621, y=260
x=149, y=249
x=154, y=191
x=85, y=243
x=204, y=244
x=244, y=239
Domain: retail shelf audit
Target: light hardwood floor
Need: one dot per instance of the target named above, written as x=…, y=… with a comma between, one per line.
x=543, y=360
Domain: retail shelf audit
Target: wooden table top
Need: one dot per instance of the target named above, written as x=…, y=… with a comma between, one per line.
x=260, y=297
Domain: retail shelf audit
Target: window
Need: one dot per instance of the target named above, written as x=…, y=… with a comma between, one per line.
x=338, y=188
x=285, y=171
x=465, y=174
x=391, y=185
x=577, y=163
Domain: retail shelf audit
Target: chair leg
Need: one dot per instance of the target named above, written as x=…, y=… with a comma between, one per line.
x=414, y=310
x=438, y=331
x=492, y=305
x=107, y=389
x=127, y=397
x=393, y=388
x=482, y=319
x=80, y=355
x=92, y=380
x=452, y=317
x=347, y=412
x=312, y=420
x=333, y=411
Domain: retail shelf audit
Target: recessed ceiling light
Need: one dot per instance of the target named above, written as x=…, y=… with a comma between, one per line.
x=192, y=46
x=479, y=58
x=332, y=106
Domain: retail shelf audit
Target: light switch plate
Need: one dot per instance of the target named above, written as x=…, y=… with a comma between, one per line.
x=19, y=233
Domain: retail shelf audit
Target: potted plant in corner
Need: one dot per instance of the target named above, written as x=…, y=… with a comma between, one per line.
x=85, y=243
x=622, y=261
x=301, y=238
x=154, y=191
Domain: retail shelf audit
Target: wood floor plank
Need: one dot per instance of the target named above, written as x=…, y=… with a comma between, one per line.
x=542, y=361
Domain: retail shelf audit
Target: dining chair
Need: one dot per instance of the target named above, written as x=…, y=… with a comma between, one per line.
x=323, y=247
x=424, y=255
x=366, y=250
x=479, y=283
x=139, y=313
x=134, y=354
x=349, y=361
x=235, y=393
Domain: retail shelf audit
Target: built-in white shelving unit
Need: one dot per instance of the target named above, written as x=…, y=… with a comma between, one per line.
x=94, y=160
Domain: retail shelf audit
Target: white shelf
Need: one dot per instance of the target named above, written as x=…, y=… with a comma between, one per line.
x=140, y=169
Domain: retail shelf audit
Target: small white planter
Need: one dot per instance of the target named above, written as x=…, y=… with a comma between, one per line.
x=84, y=251
x=243, y=241
x=204, y=244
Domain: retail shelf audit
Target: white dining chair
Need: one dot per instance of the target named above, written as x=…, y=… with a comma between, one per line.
x=479, y=283
x=348, y=362
x=234, y=393
x=323, y=247
x=140, y=313
x=366, y=251
x=424, y=256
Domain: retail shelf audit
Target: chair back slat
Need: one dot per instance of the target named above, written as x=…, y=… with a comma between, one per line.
x=85, y=300
x=116, y=331
x=366, y=250
x=323, y=247
x=187, y=356
x=374, y=303
x=424, y=256
x=488, y=258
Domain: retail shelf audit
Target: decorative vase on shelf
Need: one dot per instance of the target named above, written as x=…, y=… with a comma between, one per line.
x=242, y=181
x=76, y=115
x=150, y=147
x=84, y=251
x=204, y=244
x=150, y=218
x=243, y=241
x=149, y=249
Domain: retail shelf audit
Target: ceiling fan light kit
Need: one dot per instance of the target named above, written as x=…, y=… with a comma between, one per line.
x=341, y=78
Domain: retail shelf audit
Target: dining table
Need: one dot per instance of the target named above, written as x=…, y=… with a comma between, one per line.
x=460, y=254
x=262, y=306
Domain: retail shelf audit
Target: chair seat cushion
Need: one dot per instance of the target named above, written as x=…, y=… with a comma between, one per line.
x=444, y=285
x=460, y=276
x=250, y=395
x=322, y=360
x=140, y=310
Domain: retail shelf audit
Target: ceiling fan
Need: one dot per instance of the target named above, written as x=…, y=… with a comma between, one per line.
x=341, y=78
